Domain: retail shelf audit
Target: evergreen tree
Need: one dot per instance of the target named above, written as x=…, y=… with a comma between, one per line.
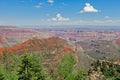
x=1, y=76
x=65, y=66
x=5, y=59
x=7, y=66
x=77, y=75
x=81, y=75
x=30, y=68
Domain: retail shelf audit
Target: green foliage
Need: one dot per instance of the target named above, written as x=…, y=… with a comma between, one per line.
x=5, y=59
x=2, y=76
x=77, y=75
x=8, y=66
x=117, y=78
x=30, y=68
x=65, y=65
x=110, y=70
x=81, y=75
x=71, y=76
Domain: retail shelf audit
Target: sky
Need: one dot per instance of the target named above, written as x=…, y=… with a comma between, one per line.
x=60, y=12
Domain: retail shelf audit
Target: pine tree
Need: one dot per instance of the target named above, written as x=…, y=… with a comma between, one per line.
x=2, y=76
x=65, y=66
x=30, y=68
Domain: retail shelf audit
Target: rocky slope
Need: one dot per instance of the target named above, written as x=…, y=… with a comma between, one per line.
x=100, y=49
x=49, y=45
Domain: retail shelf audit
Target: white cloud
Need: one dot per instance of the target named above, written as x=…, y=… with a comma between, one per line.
x=39, y=5
x=60, y=18
x=88, y=8
x=51, y=1
x=106, y=17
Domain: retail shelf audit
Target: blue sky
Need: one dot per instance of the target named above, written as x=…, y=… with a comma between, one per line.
x=60, y=12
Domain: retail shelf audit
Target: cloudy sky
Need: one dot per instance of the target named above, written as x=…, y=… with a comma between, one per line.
x=60, y=12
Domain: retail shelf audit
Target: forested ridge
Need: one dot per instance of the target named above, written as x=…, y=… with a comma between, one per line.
x=29, y=67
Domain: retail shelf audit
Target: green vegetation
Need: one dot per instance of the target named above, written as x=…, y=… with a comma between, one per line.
x=65, y=70
x=77, y=75
x=105, y=69
x=30, y=67
x=1, y=76
x=20, y=67
x=66, y=65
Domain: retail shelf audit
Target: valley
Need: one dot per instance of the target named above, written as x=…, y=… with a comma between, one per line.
x=85, y=46
x=95, y=44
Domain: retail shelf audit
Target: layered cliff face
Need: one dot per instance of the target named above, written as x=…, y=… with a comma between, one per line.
x=1, y=40
x=11, y=36
x=4, y=42
x=48, y=45
x=117, y=41
x=100, y=49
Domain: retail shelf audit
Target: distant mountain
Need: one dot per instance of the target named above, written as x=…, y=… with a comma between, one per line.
x=100, y=49
x=52, y=48
x=117, y=41
x=10, y=35
x=48, y=45
x=8, y=27
x=1, y=39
